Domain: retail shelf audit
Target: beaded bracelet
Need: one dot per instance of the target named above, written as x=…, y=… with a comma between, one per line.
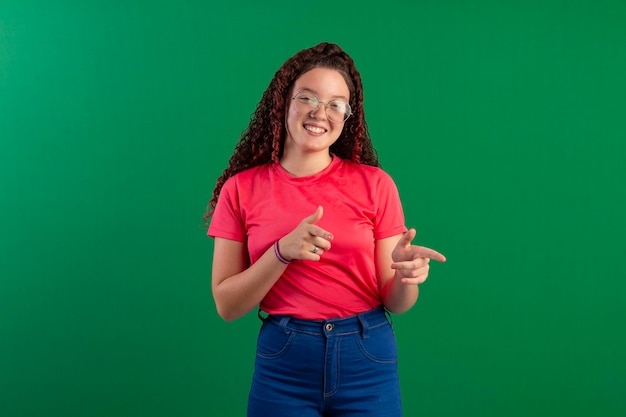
x=278, y=255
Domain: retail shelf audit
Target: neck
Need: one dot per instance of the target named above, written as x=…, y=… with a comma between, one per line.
x=306, y=166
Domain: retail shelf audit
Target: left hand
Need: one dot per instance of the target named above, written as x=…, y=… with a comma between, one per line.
x=412, y=262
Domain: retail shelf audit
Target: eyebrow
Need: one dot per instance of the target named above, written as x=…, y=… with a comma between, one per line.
x=314, y=92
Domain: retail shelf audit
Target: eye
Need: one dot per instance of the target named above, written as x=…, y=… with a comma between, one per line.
x=307, y=99
x=338, y=106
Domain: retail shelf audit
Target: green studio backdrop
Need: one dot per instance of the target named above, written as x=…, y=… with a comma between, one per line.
x=503, y=124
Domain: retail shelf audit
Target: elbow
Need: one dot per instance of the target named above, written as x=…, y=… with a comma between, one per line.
x=227, y=318
x=224, y=309
x=230, y=306
x=225, y=313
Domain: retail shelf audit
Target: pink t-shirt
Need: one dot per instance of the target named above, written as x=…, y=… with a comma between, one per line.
x=361, y=204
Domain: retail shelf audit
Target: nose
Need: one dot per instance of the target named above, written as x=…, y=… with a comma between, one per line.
x=320, y=111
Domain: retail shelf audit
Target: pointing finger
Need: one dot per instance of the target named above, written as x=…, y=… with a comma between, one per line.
x=424, y=252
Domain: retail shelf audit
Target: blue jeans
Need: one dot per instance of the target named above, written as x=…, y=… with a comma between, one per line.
x=338, y=367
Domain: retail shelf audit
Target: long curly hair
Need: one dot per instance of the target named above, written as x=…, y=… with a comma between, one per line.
x=263, y=140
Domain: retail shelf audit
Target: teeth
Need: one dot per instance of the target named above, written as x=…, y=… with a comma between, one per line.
x=314, y=129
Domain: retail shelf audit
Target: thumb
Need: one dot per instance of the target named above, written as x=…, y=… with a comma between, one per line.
x=315, y=217
x=406, y=238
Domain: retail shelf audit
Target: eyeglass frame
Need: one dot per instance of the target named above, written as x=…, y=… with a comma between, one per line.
x=319, y=103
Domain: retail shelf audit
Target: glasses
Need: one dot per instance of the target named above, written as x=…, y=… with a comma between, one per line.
x=337, y=111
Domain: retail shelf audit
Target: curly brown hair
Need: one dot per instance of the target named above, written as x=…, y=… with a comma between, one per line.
x=263, y=140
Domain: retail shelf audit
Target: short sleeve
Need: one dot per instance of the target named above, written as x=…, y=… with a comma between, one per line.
x=227, y=221
x=389, y=215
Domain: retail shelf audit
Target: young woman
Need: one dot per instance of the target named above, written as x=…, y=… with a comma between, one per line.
x=309, y=229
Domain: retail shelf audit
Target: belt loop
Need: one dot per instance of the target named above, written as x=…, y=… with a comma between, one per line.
x=262, y=315
x=365, y=326
x=283, y=323
x=389, y=317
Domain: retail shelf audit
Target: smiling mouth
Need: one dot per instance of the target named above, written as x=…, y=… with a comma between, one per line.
x=314, y=129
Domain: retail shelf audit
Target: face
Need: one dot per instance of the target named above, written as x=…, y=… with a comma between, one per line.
x=314, y=132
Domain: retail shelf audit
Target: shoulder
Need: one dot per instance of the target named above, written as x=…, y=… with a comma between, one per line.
x=246, y=177
x=371, y=173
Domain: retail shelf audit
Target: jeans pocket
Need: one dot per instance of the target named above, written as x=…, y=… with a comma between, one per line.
x=380, y=345
x=274, y=341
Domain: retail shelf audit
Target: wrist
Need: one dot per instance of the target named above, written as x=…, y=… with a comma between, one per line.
x=279, y=256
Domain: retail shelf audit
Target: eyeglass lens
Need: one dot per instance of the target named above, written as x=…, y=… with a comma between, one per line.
x=337, y=111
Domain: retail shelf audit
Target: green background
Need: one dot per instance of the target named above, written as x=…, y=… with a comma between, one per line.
x=502, y=122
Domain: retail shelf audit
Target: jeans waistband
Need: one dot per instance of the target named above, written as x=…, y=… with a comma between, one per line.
x=359, y=323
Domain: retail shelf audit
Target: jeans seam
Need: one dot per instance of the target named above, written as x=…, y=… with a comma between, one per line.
x=371, y=357
x=281, y=352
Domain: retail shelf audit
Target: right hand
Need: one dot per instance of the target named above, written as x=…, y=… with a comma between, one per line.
x=301, y=242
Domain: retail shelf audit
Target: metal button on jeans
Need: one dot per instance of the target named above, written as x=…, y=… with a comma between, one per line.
x=329, y=327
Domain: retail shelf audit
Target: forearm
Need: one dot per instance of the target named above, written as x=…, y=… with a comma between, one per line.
x=238, y=294
x=398, y=297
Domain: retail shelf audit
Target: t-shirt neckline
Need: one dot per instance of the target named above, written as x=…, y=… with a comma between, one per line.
x=287, y=177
